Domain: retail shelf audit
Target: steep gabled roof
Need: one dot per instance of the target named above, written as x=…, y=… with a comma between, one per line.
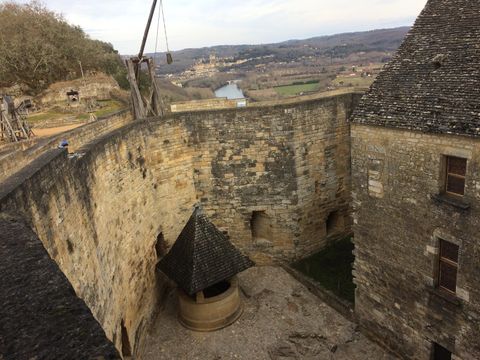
x=202, y=256
x=433, y=83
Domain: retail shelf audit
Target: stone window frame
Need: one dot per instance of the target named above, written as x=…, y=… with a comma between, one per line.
x=458, y=153
x=448, y=262
x=256, y=216
x=433, y=249
x=448, y=175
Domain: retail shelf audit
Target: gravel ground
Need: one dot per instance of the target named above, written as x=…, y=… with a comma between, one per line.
x=281, y=320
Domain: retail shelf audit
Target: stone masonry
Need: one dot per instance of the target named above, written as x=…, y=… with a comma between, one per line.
x=398, y=223
x=268, y=177
x=421, y=113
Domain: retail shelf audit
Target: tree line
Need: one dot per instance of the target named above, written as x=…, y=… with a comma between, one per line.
x=38, y=47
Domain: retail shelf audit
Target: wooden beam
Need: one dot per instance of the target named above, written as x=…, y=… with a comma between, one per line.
x=137, y=101
x=157, y=105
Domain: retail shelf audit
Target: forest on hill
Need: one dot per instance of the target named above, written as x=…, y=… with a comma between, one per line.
x=336, y=46
x=38, y=48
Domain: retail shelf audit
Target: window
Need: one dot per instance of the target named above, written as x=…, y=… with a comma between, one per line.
x=261, y=226
x=161, y=247
x=455, y=175
x=440, y=353
x=448, y=267
x=335, y=223
x=126, y=348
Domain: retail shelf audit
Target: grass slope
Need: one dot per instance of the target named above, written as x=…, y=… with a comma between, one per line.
x=291, y=90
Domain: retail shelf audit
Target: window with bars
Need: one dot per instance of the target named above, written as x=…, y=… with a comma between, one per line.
x=448, y=267
x=456, y=170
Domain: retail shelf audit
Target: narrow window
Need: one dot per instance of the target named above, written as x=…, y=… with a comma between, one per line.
x=455, y=176
x=161, y=247
x=334, y=223
x=261, y=226
x=448, y=266
x=126, y=348
x=440, y=353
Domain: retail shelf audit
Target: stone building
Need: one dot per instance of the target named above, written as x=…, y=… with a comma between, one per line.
x=416, y=190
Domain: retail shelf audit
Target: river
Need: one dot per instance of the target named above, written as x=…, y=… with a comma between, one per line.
x=230, y=91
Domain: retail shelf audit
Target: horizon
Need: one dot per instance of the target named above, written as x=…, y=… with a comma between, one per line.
x=191, y=25
x=282, y=41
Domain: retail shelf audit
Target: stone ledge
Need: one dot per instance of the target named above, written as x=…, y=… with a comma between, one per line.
x=445, y=296
x=445, y=199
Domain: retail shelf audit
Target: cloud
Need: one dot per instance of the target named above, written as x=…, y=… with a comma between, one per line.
x=193, y=23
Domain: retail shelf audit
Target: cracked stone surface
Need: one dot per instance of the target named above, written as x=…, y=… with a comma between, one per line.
x=282, y=320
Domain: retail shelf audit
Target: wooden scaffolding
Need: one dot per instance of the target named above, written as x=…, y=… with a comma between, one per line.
x=13, y=121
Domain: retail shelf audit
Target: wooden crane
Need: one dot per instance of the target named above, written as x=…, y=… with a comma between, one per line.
x=152, y=105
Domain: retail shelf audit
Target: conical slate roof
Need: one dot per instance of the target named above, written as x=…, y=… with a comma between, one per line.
x=202, y=256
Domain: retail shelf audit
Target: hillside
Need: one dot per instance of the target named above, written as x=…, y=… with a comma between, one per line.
x=38, y=48
x=333, y=46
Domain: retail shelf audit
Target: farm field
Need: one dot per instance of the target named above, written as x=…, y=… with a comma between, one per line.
x=292, y=90
x=355, y=81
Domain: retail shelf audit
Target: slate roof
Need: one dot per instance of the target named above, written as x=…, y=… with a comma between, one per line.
x=433, y=82
x=41, y=316
x=202, y=256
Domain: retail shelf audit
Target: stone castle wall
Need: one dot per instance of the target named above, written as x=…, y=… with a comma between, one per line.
x=279, y=168
x=99, y=216
x=207, y=104
x=290, y=163
x=17, y=155
x=398, y=224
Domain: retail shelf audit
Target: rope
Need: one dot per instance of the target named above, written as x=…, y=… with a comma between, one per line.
x=164, y=24
x=158, y=30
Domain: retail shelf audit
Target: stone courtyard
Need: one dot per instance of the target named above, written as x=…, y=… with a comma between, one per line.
x=282, y=320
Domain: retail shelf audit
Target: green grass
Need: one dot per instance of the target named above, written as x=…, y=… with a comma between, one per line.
x=332, y=268
x=356, y=81
x=290, y=90
x=107, y=107
x=45, y=116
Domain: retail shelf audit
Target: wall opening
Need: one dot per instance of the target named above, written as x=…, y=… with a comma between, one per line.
x=335, y=223
x=161, y=247
x=440, y=353
x=261, y=226
x=126, y=348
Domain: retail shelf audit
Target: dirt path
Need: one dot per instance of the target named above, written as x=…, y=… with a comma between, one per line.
x=46, y=132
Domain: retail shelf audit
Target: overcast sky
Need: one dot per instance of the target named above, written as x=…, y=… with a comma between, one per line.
x=198, y=23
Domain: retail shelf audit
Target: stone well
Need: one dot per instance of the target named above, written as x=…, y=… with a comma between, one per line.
x=204, y=264
x=210, y=313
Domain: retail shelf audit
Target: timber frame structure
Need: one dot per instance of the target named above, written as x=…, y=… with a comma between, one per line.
x=152, y=105
x=13, y=124
x=143, y=107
